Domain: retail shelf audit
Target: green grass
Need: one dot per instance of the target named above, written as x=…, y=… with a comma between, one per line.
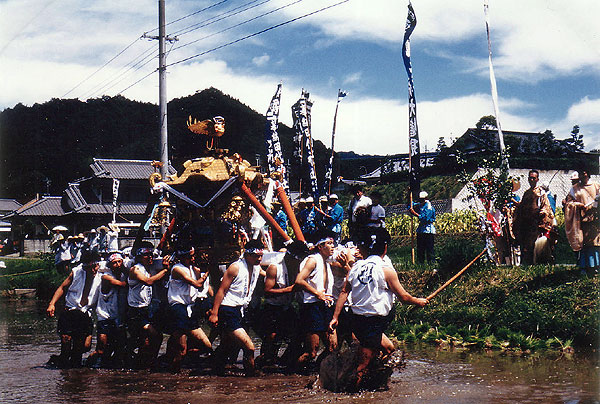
x=501, y=307
x=31, y=273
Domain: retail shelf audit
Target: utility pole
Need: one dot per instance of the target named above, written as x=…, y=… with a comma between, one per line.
x=162, y=87
x=162, y=90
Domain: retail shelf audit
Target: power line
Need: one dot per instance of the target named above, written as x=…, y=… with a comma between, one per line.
x=194, y=27
x=239, y=24
x=258, y=33
x=100, y=68
x=140, y=61
x=189, y=15
x=236, y=41
x=131, y=44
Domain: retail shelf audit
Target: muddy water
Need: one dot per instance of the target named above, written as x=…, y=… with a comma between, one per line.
x=27, y=339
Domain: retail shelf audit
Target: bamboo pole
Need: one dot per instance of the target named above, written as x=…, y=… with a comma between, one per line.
x=459, y=273
x=263, y=212
x=287, y=207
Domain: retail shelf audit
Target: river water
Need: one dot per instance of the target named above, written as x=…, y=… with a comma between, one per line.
x=28, y=338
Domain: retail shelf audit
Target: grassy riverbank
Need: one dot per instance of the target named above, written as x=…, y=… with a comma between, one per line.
x=31, y=273
x=518, y=308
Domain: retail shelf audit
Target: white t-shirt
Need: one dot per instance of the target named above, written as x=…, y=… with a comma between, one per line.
x=377, y=213
x=370, y=293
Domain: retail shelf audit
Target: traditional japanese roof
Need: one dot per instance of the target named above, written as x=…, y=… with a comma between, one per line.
x=44, y=206
x=125, y=169
x=9, y=205
x=75, y=200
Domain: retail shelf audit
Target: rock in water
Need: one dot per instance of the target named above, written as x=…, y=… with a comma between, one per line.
x=337, y=372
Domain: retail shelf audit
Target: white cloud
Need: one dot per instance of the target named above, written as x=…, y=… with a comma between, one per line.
x=261, y=60
x=352, y=78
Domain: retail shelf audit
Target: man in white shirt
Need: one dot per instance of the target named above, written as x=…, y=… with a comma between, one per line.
x=373, y=283
x=377, y=218
x=233, y=296
x=75, y=325
x=358, y=214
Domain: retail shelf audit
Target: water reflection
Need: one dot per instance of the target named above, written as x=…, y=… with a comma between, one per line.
x=27, y=339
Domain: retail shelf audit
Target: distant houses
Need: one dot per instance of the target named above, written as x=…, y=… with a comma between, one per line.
x=87, y=203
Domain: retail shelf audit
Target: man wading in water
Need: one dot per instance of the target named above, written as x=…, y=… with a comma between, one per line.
x=233, y=296
x=373, y=284
x=316, y=282
x=75, y=325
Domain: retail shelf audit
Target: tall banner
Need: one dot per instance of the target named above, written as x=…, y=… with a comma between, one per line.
x=413, y=130
x=272, y=143
x=329, y=172
x=115, y=190
x=493, y=84
x=303, y=141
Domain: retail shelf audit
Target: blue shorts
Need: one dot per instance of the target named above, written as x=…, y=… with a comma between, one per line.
x=201, y=307
x=180, y=320
x=137, y=318
x=282, y=320
x=107, y=327
x=315, y=317
x=369, y=329
x=230, y=318
x=75, y=323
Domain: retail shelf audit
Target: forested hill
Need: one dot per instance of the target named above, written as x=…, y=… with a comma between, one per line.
x=45, y=146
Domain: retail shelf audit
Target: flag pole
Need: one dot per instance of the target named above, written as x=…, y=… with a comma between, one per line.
x=414, y=157
x=329, y=174
x=493, y=86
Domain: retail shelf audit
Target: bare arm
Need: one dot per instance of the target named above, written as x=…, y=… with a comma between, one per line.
x=391, y=277
x=135, y=273
x=179, y=273
x=339, y=305
x=228, y=277
x=301, y=282
x=60, y=292
x=270, y=282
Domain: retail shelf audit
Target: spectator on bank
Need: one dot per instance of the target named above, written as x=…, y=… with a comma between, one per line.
x=358, y=213
x=282, y=220
x=335, y=217
x=582, y=223
x=533, y=218
x=423, y=209
x=377, y=218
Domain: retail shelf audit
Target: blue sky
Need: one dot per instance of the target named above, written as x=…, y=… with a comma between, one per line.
x=546, y=58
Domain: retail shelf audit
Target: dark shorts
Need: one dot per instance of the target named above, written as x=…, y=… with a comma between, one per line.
x=230, y=318
x=107, y=327
x=282, y=320
x=75, y=323
x=315, y=317
x=137, y=318
x=369, y=329
x=159, y=316
x=180, y=320
x=201, y=307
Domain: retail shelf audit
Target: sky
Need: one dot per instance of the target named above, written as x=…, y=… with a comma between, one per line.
x=546, y=56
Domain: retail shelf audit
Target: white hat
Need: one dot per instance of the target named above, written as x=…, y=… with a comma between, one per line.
x=575, y=176
x=309, y=199
x=333, y=196
x=323, y=198
x=423, y=195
